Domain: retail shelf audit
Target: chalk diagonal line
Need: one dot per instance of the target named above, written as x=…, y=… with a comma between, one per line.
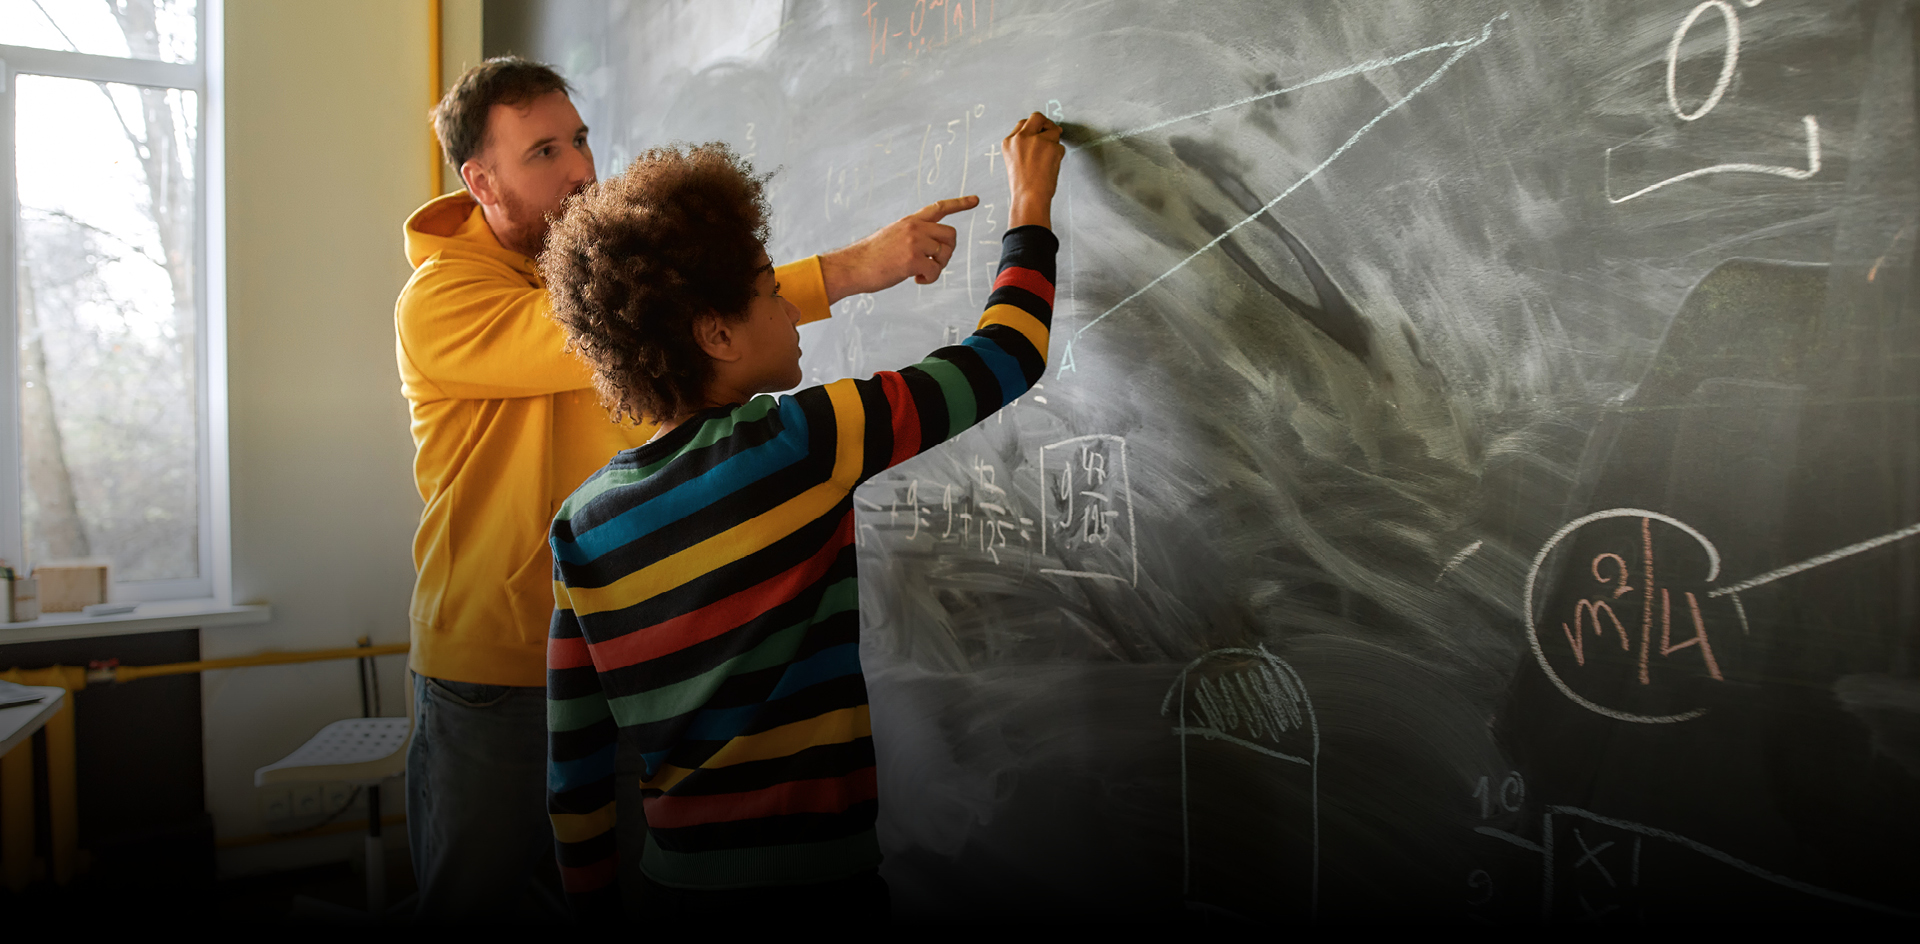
x=1341, y=73
x=1812, y=562
x=1486, y=33
x=1458, y=559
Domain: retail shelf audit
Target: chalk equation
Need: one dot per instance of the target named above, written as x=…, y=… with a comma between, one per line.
x=1087, y=509
x=1595, y=869
x=977, y=514
x=1084, y=523
x=905, y=29
x=1729, y=52
x=1253, y=700
x=1627, y=632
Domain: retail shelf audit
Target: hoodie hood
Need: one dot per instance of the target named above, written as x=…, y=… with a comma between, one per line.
x=454, y=224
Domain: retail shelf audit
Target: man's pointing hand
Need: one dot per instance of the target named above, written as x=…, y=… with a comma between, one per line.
x=916, y=245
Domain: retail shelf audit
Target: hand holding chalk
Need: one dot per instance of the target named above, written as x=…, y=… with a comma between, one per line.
x=1033, y=152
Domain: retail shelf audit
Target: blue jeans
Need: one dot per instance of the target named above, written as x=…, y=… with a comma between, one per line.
x=477, y=801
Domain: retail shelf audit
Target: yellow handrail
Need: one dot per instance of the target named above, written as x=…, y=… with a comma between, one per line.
x=128, y=673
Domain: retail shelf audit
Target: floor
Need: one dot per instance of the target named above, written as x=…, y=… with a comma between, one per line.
x=332, y=894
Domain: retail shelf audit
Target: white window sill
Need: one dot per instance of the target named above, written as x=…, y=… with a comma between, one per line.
x=156, y=617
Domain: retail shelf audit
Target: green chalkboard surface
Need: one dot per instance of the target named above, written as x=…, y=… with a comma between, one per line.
x=1477, y=478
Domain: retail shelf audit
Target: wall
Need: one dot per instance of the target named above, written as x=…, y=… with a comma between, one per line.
x=460, y=30
x=327, y=151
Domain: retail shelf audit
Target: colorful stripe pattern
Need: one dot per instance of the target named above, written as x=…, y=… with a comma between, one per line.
x=707, y=614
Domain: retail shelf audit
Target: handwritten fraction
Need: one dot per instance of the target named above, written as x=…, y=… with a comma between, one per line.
x=1621, y=625
x=1087, y=513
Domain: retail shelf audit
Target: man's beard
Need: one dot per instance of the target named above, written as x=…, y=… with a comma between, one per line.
x=529, y=234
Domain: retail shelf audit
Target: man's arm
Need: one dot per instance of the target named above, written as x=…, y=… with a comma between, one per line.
x=478, y=332
x=916, y=245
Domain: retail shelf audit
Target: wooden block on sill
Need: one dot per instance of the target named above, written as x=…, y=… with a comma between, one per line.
x=71, y=586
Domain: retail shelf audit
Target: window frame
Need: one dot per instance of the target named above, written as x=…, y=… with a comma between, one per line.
x=204, y=77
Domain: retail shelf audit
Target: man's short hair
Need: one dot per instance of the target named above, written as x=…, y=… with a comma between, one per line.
x=635, y=261
x=460, y=119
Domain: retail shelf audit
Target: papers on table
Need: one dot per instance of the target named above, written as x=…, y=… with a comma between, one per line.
x=12, y=694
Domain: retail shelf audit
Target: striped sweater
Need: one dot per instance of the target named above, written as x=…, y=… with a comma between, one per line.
x=707, y=614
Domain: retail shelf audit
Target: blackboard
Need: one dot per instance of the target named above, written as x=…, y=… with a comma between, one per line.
x=1478, y=478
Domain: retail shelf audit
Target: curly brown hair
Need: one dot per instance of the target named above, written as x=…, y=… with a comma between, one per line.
x=634, y=261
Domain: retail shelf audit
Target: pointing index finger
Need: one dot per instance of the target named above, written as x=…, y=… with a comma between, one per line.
x=932, y=212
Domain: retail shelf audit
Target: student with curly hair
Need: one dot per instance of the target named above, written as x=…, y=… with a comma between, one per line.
x=706, y=586
x=506, y=426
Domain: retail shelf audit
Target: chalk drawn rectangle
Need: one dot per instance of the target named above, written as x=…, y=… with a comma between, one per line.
x=1086, y=508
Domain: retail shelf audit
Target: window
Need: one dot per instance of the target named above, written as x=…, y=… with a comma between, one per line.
x=112, y=415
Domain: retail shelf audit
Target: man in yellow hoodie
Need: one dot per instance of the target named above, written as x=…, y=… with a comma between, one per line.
x=506, y=425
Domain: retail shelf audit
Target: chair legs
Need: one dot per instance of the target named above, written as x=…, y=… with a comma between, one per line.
x=376, y=855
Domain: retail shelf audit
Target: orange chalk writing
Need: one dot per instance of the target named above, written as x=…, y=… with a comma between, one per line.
x=1595, y=614
x=928, y=25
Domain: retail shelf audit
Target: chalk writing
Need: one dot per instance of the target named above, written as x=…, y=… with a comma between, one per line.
x=1509, y=796
x=1593, y=617
x=978, y=516
x=1595, y=866
x=1087, y=508
x=1729, y=60
x=848, y=186
x=1252, y=699
x=944, y=168
x=1495, y=800
x=1593, y=614
x=925, y=25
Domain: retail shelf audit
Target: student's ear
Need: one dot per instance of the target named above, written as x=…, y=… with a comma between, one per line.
x=715, y=337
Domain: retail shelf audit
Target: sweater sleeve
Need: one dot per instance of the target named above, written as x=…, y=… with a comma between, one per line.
x=581, y=748
x=476, y=330
x=893, y=416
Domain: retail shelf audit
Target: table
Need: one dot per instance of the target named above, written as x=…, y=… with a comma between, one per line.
x=18, y=723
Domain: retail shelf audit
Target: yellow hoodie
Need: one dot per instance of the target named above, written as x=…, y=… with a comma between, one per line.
x=506, y=426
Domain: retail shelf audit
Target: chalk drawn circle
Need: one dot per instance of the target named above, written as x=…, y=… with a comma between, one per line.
x=1730, y=56
x=1533, y=632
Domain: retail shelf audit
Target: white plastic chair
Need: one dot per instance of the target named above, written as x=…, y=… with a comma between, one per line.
x=360, y=751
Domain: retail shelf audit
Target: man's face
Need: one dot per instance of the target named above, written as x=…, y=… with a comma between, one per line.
x=536, y=156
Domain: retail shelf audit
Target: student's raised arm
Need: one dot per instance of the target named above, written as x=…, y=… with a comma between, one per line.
x=895, y=415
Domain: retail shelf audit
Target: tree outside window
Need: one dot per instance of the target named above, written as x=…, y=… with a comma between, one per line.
x=107, y=308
